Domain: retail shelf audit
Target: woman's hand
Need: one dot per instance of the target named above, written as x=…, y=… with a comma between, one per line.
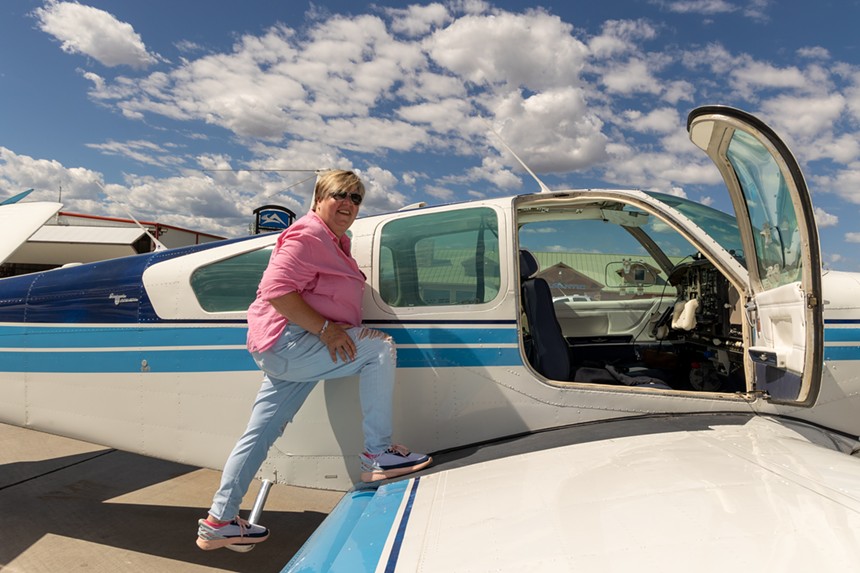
x=334, y=336
x=339, y=342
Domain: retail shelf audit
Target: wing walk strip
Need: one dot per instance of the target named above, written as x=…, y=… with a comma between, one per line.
x=365, y=530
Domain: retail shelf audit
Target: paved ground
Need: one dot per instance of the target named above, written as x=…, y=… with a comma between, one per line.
x=68, y=505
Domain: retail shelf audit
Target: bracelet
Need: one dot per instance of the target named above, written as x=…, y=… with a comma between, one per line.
x=324, y=326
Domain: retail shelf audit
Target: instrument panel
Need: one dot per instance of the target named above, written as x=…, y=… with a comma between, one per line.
x=715, y=337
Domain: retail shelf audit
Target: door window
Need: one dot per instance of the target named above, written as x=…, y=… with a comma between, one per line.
x=774, y=223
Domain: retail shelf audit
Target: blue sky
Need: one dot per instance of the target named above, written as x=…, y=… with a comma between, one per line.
x=195, y=113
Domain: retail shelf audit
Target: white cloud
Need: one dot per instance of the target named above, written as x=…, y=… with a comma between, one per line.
x=754, y=9
x=805, y=116
x=489, y=50
x=619, y=37
x=678, y=91
x=706, y=7
x=145, y=152
x=440, y=193
x=657, y=170
x=48, y=178
x=663, y=120
x=852, y=237
x=825, y=219
x=552, y=131
x=630, y=77
x=95, y=33
x=852, y=93
x=814, y=53
x=381, y=194
x=494, y=171
x=841, y=149
x=418, y=20
x=444, y=115
x=843, y=182
x=757, y=9
x=751, y=75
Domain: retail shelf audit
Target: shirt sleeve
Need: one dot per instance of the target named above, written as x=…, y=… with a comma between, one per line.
x=291, y=267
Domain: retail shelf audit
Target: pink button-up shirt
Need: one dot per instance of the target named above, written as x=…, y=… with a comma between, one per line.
x=309, y=259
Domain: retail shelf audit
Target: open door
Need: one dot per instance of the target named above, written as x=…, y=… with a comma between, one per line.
x=781, y=251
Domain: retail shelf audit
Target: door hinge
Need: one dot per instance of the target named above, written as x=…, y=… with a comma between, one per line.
x=811, y=301
x=754, y=395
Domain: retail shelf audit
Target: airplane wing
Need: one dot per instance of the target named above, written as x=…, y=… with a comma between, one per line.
x=20, y=220
x=697, y=492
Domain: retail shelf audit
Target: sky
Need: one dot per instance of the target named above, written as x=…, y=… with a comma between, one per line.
x=196, y=113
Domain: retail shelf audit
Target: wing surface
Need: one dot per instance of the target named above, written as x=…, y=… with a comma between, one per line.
x=682, y=493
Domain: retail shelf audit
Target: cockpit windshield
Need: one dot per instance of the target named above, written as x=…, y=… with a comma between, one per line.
x=722, y=227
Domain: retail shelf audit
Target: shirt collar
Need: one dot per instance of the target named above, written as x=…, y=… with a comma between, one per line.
x=344, y=242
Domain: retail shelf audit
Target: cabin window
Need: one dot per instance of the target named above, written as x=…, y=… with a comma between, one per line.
x=440, y=259
x=230, y=285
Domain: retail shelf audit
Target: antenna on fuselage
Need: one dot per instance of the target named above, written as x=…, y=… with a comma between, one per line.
x=543, y=187
x=159, y=246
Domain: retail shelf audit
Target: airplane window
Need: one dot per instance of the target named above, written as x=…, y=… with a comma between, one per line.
x=230, y=285
x=777, y=242
x=448, y=258
x=722, y=227
x=593, y=260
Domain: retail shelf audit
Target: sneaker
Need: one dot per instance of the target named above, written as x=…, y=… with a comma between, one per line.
x=396, y=461
x=238, y=535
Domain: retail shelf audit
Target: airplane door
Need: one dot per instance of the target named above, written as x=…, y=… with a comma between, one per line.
x=781, y=251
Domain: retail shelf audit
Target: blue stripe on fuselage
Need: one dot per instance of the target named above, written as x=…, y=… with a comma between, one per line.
x=842, y=335
x=442, y=335
x=95, y=349
x=127, y=361
x=834, y=353
x=835, y=348
x=35, y=336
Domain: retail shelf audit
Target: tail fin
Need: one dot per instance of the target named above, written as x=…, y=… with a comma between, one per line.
x=16, y=198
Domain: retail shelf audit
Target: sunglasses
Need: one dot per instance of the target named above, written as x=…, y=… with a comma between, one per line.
x=356, y=198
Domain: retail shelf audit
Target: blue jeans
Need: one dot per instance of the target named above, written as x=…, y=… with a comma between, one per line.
x=292, y=368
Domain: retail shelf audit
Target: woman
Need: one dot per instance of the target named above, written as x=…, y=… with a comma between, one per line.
x=305, y=326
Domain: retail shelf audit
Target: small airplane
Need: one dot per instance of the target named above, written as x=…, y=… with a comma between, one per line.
x=691, y=396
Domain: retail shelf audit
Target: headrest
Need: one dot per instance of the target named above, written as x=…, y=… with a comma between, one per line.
x=528, y=264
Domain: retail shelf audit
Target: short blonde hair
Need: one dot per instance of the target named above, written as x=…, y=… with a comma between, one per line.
x=335, y=180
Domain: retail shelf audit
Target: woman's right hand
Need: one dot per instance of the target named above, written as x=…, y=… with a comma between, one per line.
x=339, y=342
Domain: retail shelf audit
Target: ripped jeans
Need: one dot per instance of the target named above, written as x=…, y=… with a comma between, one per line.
x=292, y=368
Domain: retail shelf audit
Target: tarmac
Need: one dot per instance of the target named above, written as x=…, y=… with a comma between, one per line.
x=69, y=505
